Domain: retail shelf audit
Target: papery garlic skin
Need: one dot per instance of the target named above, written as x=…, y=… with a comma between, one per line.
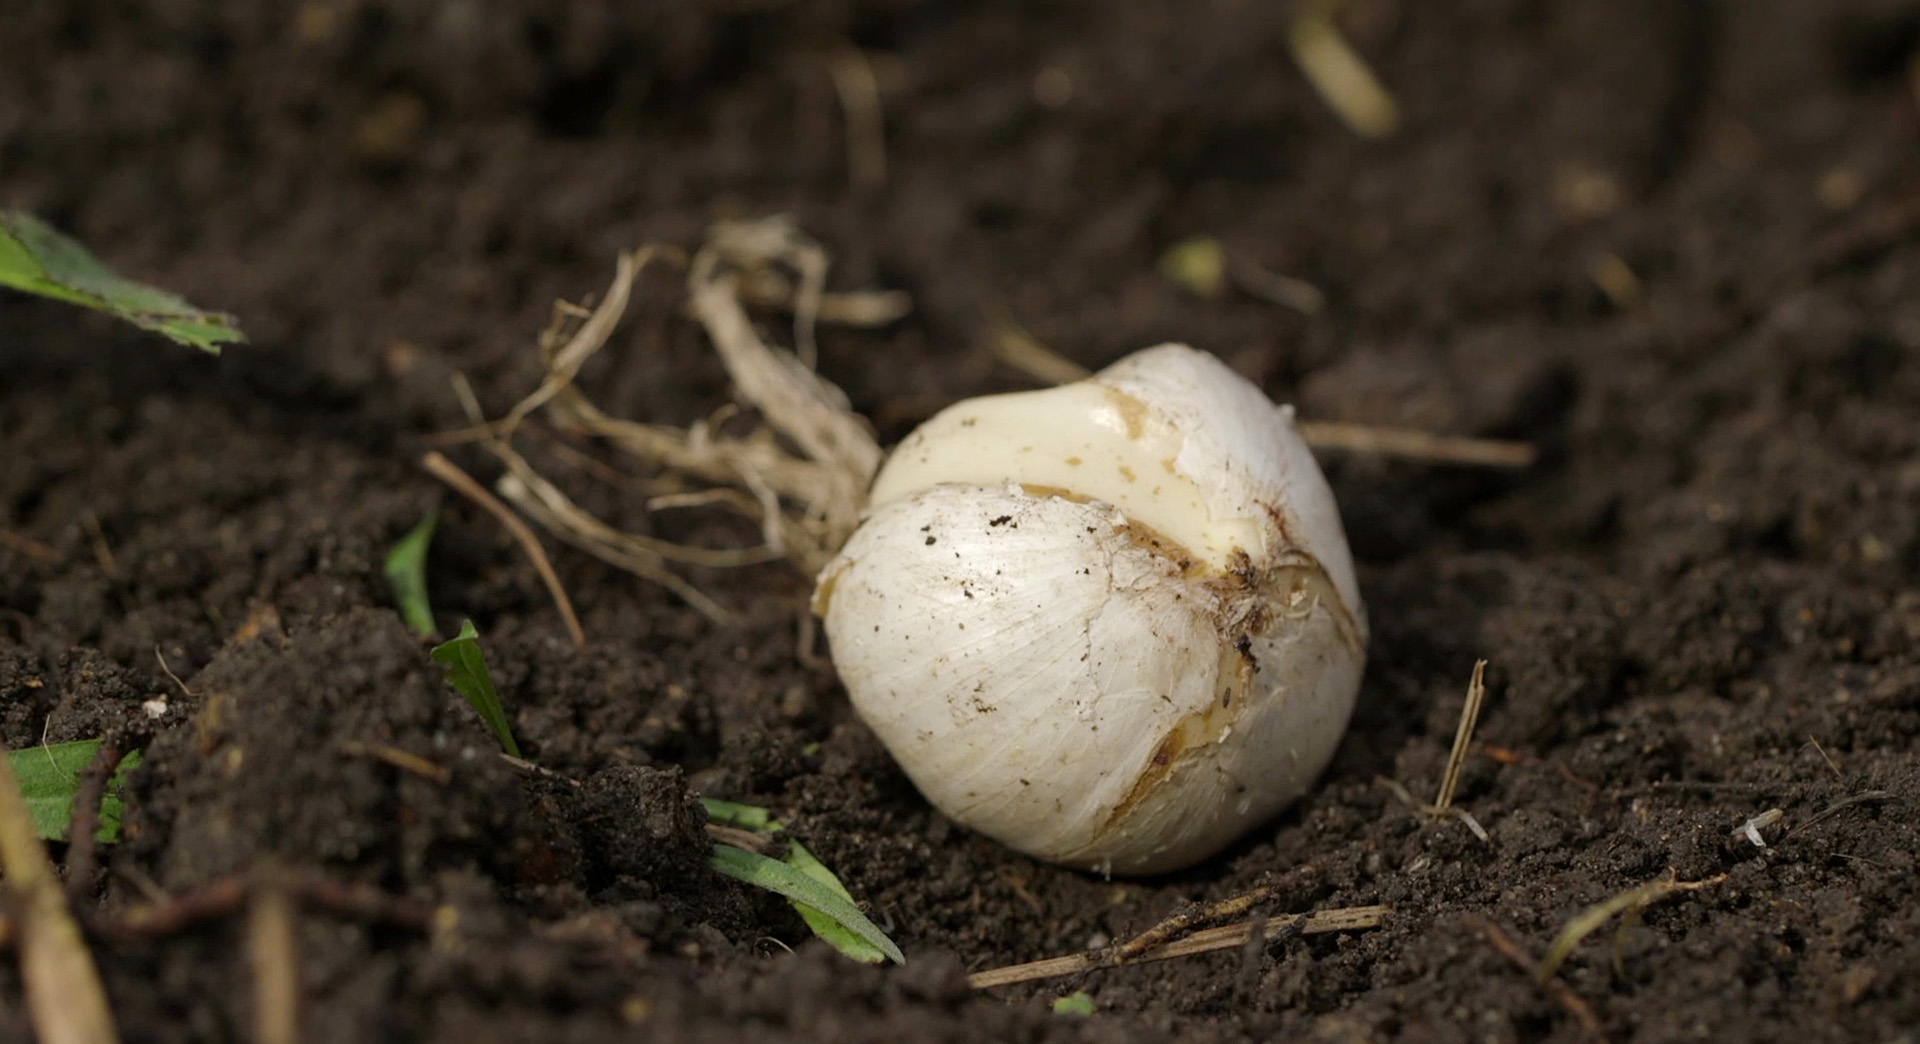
x=1111, y=624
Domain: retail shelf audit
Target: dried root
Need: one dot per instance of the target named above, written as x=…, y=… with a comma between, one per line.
x=801, y=474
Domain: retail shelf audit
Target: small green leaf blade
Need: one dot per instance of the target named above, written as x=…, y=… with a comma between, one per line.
x=37, y=259
x=467, y=670
x=837, y=935
x=760, y=820
x=406, y=569
x=1078, y=1004
x=743, y=817
x=778, y=877
x=50, y=778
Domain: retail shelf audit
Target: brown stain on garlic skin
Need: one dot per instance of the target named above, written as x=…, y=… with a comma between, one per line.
x=1133, y=412
x=1249, y=601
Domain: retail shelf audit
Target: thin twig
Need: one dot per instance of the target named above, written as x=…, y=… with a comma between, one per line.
x=225, y=896
x=28, y=546
x=1186, y=920
x=1865, y=798
x=175, y=914
x=859, y=92
x=1225, y=937
x=1416, y=445
x=1586, y=921
x=102, y=551
x=273, y=953
x=447, y=471
x=1341, y=76
x=1021, y=350
x=84, y=826
x=65, y=1001
x=1463, y=736
x=532, y=769
x=1558, y=990
x=1823, y=757
x=404, y=760
x=168, y=671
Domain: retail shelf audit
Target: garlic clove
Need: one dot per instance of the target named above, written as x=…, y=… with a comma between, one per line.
x=1112, y=624
x=1170, y=435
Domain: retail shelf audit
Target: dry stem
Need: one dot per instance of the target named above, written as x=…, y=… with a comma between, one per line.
x=65, y=1000
x=449, y=472
x=1225, y=937
x=1463, y=736
x=273, y=952
x=1183, y=922
x=1576, y=1006
x=26, y=545
x=1585, y=922
x=859, y=93
x=1340, y=75
x=1020, y=350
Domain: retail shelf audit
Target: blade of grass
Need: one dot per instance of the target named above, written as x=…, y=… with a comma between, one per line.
x=467, y=670
x=823, y=924
x=1080, y=1003
x=37, y=259
x=50, y=777
x=789, y=881
x=840, y=936
x=406, y=570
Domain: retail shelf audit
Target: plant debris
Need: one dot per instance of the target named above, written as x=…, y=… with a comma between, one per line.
x=37, y=259
x=64, y=997
x=1225, y=937
x=759, y=822
x=49, y=779
x=1584, y=923
x=406, y=569
x=803, y=889
x=467, y=669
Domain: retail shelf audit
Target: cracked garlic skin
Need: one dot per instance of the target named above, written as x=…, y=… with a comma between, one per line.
x=1112, y=624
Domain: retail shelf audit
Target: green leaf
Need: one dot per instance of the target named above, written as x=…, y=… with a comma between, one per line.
x=467, y=670
x=825, y=925
x=840, y=937
x=407, y=573
x=745, y=817
x=50, y=777
x=39, y=260
x=1080, y=1003
x=784, y=879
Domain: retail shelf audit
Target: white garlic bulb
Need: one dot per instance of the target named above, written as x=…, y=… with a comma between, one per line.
x=1111, y=624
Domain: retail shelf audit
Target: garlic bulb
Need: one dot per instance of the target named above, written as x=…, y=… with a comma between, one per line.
x=1111, y=624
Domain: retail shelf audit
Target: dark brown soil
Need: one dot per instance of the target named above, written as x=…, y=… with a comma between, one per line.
x=1699, y=606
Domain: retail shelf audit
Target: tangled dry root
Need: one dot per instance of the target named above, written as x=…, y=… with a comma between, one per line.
x=801, y=472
